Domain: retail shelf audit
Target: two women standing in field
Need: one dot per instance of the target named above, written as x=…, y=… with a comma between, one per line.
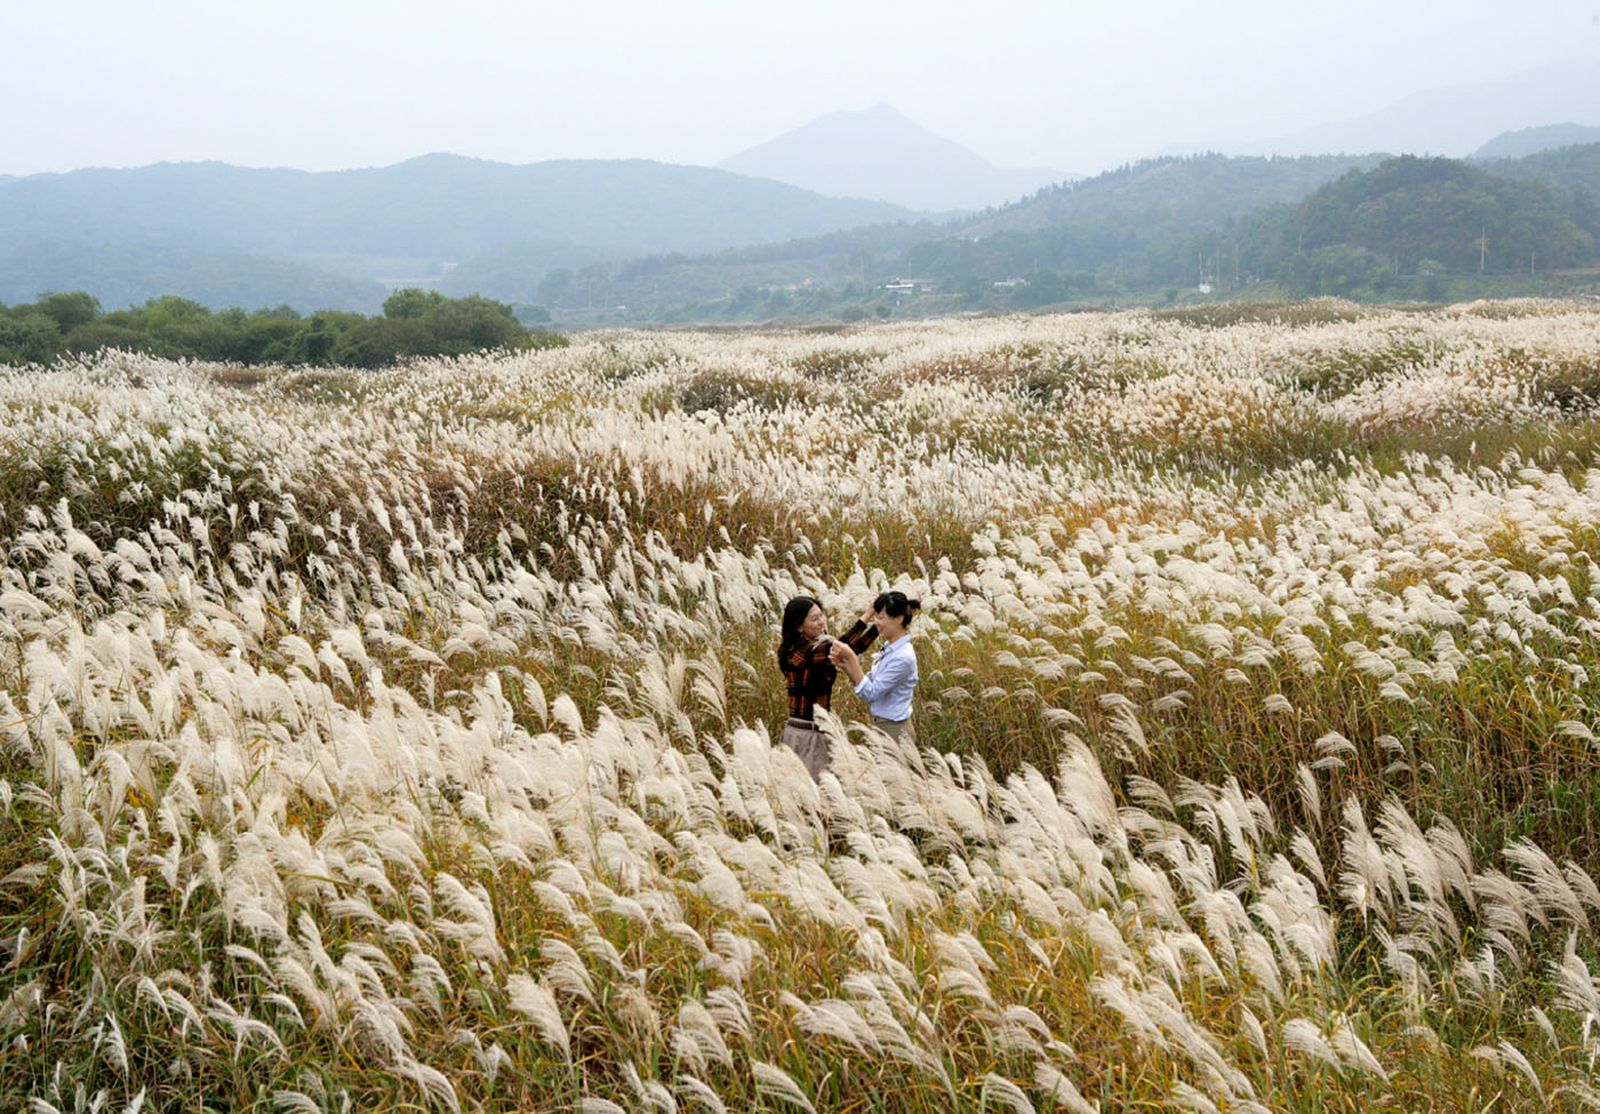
x=810, y=661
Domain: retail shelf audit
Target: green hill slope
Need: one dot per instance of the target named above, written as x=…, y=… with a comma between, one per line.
x=1573, y=170
x=1398, y=230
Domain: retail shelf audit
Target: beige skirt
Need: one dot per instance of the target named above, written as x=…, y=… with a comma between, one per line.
x=804, y=738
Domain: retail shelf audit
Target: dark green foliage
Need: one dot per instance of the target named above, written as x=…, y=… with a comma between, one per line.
x=1413, y=210
x=1401, y=230
x=96, y=335
x=69, y=310
x=417, y=323
x=473, y=323
x=412, y=303
x=28, y=337
x=1564, y=169
x=380, y=341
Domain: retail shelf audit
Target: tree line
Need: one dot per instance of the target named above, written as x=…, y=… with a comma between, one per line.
x=414, y=323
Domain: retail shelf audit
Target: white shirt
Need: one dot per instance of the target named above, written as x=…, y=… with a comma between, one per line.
x=888, y=685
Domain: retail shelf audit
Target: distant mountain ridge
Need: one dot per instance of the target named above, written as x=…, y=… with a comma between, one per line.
x=1198, y=189
x=1453, y=121
x=1104, y=220
x=1530, y=141
x=608, y=235
x=125, y=275
x=414, y=218
x=1166, y=222
x=880, y=153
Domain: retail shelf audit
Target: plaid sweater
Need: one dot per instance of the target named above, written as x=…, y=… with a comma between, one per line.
x=809, y=673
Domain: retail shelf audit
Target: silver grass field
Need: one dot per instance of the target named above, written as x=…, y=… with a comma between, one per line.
x=404, y=740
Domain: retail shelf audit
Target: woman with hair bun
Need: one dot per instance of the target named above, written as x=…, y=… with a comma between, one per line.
x=888, y=686
x=808, y=673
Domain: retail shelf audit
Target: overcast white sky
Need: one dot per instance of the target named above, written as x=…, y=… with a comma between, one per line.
x=324, y=84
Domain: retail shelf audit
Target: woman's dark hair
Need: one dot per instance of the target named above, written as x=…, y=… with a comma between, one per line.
x=794, y=613
x=897, y=605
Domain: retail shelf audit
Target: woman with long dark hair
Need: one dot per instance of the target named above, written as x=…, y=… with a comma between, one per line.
x=888, y=686
x=803, y=658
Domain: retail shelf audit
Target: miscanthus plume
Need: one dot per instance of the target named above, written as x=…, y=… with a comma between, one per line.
x=405, y=740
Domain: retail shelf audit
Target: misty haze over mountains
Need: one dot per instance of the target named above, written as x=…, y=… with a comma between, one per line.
x=363, y=230
x=1453, y=121
x=1530, y=141
x=843, y=189
x=880, y=153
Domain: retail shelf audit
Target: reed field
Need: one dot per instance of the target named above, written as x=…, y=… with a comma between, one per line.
x=403, y=740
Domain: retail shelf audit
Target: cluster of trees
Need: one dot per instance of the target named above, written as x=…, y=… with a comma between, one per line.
x=414, y=323
x=1399, y=229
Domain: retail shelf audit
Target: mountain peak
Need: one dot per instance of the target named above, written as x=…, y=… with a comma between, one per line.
x=881, y=153
x=883, y=111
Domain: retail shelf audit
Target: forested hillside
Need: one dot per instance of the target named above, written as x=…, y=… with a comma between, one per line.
x=1369, y=228
x=1417, y=210
x=1573, y=168
x=1125, y=228
x=1372, y=233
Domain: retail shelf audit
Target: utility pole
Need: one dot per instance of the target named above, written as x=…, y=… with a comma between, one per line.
x=1483, y=247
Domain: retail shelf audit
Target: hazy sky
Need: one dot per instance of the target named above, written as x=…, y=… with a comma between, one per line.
x=323, y=84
